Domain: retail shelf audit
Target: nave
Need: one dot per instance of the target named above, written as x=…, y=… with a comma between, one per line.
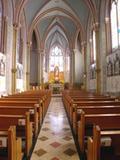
x=59, y=47
x=55, y=140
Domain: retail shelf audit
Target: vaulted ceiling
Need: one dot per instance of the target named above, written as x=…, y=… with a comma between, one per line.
x=59, y=21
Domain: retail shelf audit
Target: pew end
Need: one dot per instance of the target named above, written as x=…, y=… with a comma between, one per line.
x=90, y=149
x=81, y=132
x=29, y=134
x=19, y=149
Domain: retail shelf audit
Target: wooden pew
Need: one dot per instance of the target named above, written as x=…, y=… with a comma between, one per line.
x=24, y=103
x=68, y=99
x=23, y=127
x=88, y=120
x=11, y=149
x=19, y=104
x=94, y=144
x=44, y=94
x=90, y=148
x=74, y=95
x=79, y=104
x=92, y=110
x=21, y=110
x=28, y=97
x=36, y=100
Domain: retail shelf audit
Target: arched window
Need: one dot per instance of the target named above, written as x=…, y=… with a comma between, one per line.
x=93, y=47
x=56, y=59
x=115, y=23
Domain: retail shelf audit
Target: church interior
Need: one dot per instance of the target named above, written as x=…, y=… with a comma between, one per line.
x=59, y=79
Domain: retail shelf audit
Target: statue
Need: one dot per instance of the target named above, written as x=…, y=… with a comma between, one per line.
x=117, y=65
x=56, y=74
x=2, y=68
x=109, y=68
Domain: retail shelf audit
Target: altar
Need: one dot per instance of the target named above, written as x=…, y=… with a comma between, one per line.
x=56, y=80
x=56, y=88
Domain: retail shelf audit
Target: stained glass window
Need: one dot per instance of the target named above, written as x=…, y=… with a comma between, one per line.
x=56, y=59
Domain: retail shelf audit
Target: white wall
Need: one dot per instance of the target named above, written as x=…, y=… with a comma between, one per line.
x=33, y=67
x=79, y=66
x=45, y=75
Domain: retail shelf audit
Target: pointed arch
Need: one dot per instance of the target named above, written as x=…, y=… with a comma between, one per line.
x=18, y=10
x=93, y=10
x=38, y=38
x=37, y=20
x=51, y=27
x=61, y=37
x=22, y=3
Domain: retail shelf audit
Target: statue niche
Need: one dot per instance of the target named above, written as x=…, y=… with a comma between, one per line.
x=109, y=68
x=2, y=68
x=56, y=74
x=117, y=65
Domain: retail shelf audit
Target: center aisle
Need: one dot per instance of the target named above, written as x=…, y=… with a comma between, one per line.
x=55, y=140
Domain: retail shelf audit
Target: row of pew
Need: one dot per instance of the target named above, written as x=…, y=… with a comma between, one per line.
x=95, y=120
x=21, y=116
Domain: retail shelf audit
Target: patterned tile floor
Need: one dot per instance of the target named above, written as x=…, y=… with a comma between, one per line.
x=55, y=140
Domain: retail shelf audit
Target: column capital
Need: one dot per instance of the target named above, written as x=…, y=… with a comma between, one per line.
x=98, y=70
x=27, y=73
x=96, y=26
x=85, y=75
x=29, y=44
x=42, y=51
x=5, y=18
x=13, y=70
x=75, y=50
x=72, y=51
x=38, y=51
x=83, y=43
x=107, y=20
x=15, y=26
